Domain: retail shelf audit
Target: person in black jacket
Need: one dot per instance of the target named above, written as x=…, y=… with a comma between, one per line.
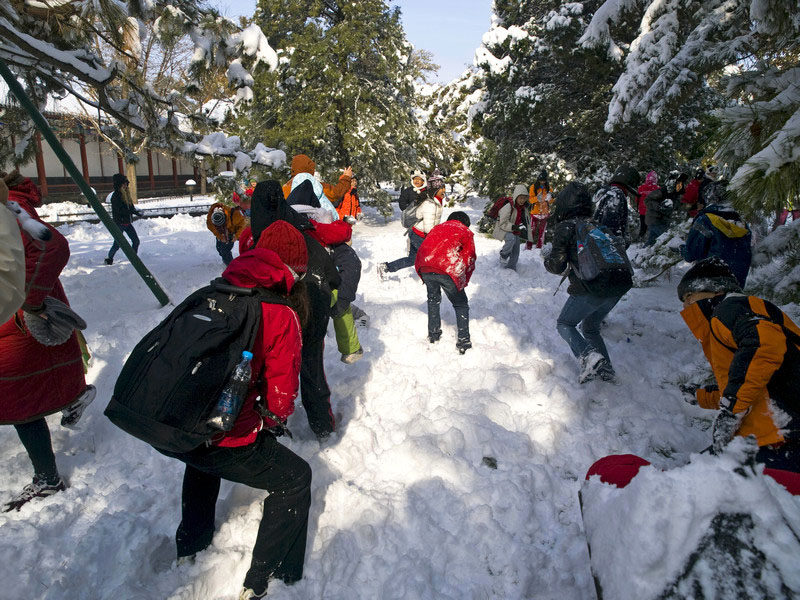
x=661, y=203
x=122, y=211
x=416, y=193
x=589, y=301
x=612, y=201
x=321, y=279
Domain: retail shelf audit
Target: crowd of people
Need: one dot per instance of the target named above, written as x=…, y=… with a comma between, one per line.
x=295, y=240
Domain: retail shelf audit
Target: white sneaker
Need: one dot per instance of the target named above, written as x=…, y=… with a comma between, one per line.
x=383, y=271
x=589, y=366
x=359, y=316
x=38, y=488
x=73, y=413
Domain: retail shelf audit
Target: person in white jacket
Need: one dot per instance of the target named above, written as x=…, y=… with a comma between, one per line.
x=12, y=260
x=429, y=214
x=513, y=224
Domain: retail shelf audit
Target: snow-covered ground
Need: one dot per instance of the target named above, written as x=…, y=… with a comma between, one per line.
x=404, y=505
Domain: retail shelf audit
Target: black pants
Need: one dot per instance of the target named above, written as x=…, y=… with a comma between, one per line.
x=224, y=249
x=436, y=282
x=131, y=232
x=786, y=456
x=280, y=546
x=35, y=436
x=642, y=227
x=314, y=390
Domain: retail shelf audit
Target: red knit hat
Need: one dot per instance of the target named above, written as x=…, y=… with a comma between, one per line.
x=288, y=243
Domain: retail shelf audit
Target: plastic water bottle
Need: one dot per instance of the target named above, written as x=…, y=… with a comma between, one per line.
x=232, y=396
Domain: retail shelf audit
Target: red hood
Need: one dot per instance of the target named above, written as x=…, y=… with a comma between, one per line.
x=259, y=267
x=26, y=192
x=331, y=234
x=651, y=178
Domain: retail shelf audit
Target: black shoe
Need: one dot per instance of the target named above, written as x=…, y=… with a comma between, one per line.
x=109, y=261
x=463, y=346
x=38, y=488
x=434, y=337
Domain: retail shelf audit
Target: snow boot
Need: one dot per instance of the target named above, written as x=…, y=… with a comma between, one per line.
x=590, y=363
x=354, y=357
x=606, y=372
x=434, y=337
x=38, y=488
x=383, y=271
x=463, y=346
x=72, y=414
x=109, y=261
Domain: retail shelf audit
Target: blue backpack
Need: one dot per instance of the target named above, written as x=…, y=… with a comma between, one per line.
x=601, y=254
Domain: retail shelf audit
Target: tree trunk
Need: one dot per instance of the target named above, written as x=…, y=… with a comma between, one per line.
x=202, y=178
x=130, y=173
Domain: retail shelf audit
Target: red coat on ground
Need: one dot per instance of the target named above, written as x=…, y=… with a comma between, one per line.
x=276, y=352
x=37, y=380
x=449, y=249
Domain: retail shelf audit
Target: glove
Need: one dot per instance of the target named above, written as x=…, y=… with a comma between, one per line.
x=359, y=216
x=725, y=425
x=350, y=220
x=689, y=391
x=53, y=323
x=520, y=230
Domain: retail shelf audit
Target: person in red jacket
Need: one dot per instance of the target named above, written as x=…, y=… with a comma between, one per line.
x=650, y=185
x=36, y=379
x=445, y=261
x=250, y=452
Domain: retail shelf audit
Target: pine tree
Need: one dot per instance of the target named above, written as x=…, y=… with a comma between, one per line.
x=749, y=49
x=546, y=102
x=344, y=89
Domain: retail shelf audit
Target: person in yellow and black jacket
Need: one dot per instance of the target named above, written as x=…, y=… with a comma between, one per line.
x=754, y=351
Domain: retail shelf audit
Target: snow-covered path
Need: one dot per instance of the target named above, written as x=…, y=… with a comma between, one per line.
x=404, y=505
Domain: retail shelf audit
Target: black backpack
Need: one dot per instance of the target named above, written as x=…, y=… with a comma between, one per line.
x=602, y=260
x=172, y=380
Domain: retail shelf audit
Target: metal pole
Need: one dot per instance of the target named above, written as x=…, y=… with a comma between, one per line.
x=65, y=159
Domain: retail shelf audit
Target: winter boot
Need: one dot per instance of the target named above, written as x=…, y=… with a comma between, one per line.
x=109, y=261
x=72, y=414
x=590, y=363
x=463, y=346
x=359, y=316
x=39, y=488
x=383, y=271
x=434, y=337
x=354, y=357
x=606, y=372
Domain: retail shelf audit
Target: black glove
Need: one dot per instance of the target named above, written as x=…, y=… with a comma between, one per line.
x=520, y=230
x=725, y=425
x=689, y=391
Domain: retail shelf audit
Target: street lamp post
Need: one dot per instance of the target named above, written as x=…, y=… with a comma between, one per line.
x=190, y=183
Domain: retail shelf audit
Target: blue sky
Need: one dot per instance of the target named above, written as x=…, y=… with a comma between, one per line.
x=451, y=29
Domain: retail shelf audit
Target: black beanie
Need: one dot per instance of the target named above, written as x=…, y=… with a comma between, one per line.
x=708, y=275
x=459, y=216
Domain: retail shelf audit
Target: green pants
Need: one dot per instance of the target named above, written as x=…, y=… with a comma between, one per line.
x=345, y=329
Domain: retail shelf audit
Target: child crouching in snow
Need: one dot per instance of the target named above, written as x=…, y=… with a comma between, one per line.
x=445, y=261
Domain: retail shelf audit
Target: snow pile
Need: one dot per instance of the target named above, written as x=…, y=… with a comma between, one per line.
x=642, y=535
x=406, y=499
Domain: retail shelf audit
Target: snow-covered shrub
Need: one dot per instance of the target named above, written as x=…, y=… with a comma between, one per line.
x=775, y=270
x=652, y=260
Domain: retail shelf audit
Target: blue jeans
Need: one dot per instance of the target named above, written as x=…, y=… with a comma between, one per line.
x=407, y=261
x=224, y=250
x=589, y=311
x=128, y=229
x=509, y=253
x=653, y=232
x=436, y=282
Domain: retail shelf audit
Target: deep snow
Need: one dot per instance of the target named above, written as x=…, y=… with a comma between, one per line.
x=403, y=504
